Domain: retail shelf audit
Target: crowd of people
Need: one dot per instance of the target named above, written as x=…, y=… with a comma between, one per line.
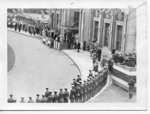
x=50, y=37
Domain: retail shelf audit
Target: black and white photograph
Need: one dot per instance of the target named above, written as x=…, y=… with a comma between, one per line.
x=75, y=55
x=71, y=55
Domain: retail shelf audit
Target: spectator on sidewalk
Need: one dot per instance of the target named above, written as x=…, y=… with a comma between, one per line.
x=78, y=46
x=99, y=54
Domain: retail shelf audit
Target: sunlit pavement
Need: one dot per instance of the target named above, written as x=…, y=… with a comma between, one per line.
x=37, y=67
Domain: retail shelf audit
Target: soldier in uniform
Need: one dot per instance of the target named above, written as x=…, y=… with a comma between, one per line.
x=92, y=86
x=78, y=78
x=50, y=97
x=74, y=82
x=22, y=100
x=78, y=92
x=55, y=99
x=11, y=100
x=47, y=92
x=66, y=95
x=81, y=92
x=60, y=96
x=30, y=100
x=88, y=89
x=72, y=94
x=84, y=91
x=38, y=98
x=44, y=99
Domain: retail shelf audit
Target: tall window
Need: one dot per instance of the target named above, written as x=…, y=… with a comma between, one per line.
x=52, y=19
x=76, y=18
x=96, y=31
x=57, y=18
x=106, y=35
x=119, y=37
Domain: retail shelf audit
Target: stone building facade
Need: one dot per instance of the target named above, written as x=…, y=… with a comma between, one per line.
x=113, y=28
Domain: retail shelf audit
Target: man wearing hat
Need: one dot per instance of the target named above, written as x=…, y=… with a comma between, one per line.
x=38, y=99
x=30, y=100
x=44, y=99
x=47, y=92
x=66, y=95
x=10, y=99
x=50, y=97
x=22, y=100
x=72, y=94
x=55, y=99
x=99, y=53
x=74, y=83
x=60, y=96
x=78, y=78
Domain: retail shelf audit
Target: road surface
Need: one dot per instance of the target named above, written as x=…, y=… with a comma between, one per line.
x=37, y=67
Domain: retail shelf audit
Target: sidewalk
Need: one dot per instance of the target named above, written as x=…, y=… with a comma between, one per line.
x=82, y=60
x=110, y=92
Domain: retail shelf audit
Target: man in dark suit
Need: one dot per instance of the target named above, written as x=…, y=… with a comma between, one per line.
x=78, y=46
x=99, y=54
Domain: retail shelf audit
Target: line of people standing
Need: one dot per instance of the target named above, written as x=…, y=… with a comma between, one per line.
x=81, y=90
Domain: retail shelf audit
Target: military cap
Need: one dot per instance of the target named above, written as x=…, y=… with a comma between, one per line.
x=11, y=95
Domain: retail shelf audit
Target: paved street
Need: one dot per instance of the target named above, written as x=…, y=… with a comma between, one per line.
x=37, y=67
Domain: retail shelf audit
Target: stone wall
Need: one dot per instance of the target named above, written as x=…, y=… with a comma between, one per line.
x=130, y=42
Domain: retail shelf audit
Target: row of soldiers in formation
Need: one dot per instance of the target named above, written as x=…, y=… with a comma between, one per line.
x=81, y=90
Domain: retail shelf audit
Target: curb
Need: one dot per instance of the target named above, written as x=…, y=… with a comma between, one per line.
x=72, y=61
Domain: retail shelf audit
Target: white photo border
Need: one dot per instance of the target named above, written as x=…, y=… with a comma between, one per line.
x=142, y=55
